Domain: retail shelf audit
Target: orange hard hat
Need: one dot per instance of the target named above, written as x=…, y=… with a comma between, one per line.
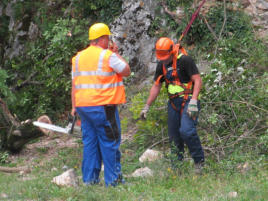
x=164, y=47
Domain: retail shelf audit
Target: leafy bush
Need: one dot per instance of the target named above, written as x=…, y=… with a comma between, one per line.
x=4, y=90
x=237, y=24
x=47, y=63
x=234, y=95
x=102, y=9
x=232, y=115
x=153, y=129
x=41, y=78
x=4, y=157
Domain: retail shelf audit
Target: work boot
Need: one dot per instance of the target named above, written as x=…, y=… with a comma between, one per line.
x=120, y=180
x=94, y=182
x=198, y=168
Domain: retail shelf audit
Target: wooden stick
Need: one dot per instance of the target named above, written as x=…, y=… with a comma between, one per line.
x=15, y=169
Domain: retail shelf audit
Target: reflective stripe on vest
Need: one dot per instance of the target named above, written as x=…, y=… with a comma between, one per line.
x=99, y=86
x=95, y=81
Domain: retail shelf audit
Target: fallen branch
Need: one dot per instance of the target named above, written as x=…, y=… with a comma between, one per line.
x=161, y=141
x=24, y=169
x=177, y=17
x=237, y=101
x=248, y=104
x=210, y=28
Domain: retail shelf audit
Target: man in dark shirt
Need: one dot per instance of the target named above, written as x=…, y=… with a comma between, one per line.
x=185, y=67
x=183, y=83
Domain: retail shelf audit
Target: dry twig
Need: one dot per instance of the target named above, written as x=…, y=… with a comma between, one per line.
x=222, y=28
x=210, y=28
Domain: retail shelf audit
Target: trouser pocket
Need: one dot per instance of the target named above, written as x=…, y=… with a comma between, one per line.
x=111, y=130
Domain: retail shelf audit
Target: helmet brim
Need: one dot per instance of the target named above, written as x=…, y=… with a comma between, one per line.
x=160, y=55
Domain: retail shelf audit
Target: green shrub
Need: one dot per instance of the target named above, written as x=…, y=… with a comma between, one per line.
x=40, y=79
x=234, y=94
x=48, y=65
x=4, y=89
x=4, y=157
x=103, y=9
x=153, y=129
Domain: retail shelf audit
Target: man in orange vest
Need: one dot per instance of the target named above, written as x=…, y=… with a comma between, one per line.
x=97, y=89
x=183, y=84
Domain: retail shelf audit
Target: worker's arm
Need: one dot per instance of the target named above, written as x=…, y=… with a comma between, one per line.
x=119, y=65
x=117, y=62
x=196, y=79
x=155, y=90
x=192, y=109
x=126, y=71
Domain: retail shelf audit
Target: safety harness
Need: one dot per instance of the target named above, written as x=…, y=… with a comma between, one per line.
x=188, y=89
x=184, y=90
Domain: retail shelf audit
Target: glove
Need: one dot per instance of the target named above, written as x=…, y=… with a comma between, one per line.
x=144, y=112
x=192, y=110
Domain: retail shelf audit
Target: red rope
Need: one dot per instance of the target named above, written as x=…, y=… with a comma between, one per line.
x=192, y=20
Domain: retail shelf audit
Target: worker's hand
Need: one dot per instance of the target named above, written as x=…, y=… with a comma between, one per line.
x=192, y=110
x=113, y=47
x=144, y=112
x=73, y=112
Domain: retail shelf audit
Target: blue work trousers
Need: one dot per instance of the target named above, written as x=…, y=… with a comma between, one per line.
x=101, y=136
x=182, y=130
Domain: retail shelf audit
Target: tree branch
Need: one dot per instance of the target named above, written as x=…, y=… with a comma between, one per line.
x=177, y=17
x=210, y=28
x=25, y=82
x=9, y=117
x=222, y=28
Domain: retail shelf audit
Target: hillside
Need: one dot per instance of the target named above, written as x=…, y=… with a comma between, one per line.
x=229, y=43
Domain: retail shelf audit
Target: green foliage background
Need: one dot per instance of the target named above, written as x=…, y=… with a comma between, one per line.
x=234, y=105
x=234, y=95
x=233, y=124
x=46, y=62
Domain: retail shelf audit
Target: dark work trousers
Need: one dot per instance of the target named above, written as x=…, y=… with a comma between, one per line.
x=182, y=130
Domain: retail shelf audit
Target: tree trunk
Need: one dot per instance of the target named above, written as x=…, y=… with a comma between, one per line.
x=13, y=133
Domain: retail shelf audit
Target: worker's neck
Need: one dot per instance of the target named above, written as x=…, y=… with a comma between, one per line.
x=98, y=45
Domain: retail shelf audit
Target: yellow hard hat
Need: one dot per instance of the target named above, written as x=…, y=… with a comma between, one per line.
x=97, y=30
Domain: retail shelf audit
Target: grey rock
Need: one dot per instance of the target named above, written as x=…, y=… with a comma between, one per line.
x=142, y=172
x=68, y=178
x=131, y=33
x=150, y=155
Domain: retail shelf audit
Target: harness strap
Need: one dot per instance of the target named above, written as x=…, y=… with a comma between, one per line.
x=157, y=82
x=173, y=106
x=189, y=86
x=187, y=89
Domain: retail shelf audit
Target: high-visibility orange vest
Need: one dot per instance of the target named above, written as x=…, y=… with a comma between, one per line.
x=95, y=82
